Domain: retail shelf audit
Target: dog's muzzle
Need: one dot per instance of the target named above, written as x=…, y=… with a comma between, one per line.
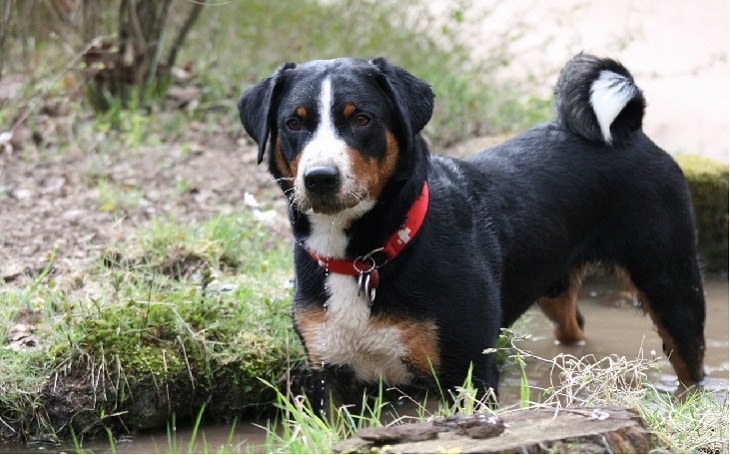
x=322, y=188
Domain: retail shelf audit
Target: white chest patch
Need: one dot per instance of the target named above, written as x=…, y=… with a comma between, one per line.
x=350, y=337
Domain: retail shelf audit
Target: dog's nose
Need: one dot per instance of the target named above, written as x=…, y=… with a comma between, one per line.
x=322, y=179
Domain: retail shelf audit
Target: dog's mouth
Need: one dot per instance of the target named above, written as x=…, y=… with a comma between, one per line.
x=326, y=204
x=326, y=190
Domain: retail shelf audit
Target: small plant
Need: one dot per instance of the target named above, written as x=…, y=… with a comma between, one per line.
x=302, y=430
x=697, y=421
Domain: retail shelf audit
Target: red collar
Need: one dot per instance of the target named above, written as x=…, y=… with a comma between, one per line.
x=366, y=265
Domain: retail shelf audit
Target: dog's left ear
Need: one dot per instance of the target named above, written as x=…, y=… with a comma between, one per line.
x=410, y=95
x=257, y=108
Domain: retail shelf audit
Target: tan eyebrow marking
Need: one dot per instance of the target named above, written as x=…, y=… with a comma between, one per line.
x=348, y=110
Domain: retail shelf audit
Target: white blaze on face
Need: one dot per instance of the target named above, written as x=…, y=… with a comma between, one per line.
x=327, y=148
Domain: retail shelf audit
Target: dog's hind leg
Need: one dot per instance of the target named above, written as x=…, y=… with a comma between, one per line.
x=560, y=305
x=676, y=303
x=563, y=312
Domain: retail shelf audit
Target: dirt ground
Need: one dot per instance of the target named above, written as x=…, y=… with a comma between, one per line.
x=72, y=204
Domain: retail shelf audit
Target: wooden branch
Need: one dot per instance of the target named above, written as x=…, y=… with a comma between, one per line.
x=567, y=430
x=183, y=32
x=5, y=10
x=158, y=33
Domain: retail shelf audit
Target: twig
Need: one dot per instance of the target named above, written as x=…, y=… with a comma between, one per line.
x=6, y=424
x=187, y=363
x=4, y=25
x=183, y=33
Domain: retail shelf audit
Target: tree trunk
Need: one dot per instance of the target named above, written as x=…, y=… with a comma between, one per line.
x=133, y=67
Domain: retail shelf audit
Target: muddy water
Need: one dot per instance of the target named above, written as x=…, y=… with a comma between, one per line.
x=613, y=326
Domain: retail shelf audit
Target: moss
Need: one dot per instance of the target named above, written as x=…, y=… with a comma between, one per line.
x=708, y=185
x=159, y=344
x=198, y=347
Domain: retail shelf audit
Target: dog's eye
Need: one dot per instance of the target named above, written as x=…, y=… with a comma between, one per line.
x=360, y=120
x=294, y=124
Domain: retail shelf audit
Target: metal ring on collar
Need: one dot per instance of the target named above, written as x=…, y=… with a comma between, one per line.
x=366, y=259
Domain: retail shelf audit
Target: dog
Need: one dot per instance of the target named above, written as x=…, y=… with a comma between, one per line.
x=409, y=264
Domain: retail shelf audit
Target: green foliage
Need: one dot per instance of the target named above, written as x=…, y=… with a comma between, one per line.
x=235, y=44
x=205, y=333
x=696, y=421
x=303, y=430
x=469, y=98
x=126, y=117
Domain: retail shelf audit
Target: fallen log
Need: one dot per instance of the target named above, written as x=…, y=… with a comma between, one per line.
x=542, y=430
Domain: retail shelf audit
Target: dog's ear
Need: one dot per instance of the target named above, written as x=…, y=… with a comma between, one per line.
x=257, y=108
x=411, y=96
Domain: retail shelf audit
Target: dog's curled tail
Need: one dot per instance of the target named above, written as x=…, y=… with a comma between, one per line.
x=596, y=98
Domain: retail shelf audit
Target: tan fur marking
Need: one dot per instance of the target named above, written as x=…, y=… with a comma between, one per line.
x=288, y=170
x=308, y=323
x=420, y=340
x=391, y=157
x=562, y=311
x=348, y=110
x=680, y=366
x=302, y=112
x=372, y=173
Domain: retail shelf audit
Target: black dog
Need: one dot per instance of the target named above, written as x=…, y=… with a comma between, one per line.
x=407, y=264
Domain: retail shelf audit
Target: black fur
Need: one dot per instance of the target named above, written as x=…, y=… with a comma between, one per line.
x=572, y=100
x=507, y=226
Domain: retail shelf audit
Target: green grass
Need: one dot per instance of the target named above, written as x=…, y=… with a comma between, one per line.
x=697, y=423
x=185, y=303
x=194, y=315
x=302, y=430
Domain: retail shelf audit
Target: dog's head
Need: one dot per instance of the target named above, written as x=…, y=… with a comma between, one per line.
x=339, y=130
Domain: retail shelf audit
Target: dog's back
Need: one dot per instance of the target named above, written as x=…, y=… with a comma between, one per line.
x=592, y=187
